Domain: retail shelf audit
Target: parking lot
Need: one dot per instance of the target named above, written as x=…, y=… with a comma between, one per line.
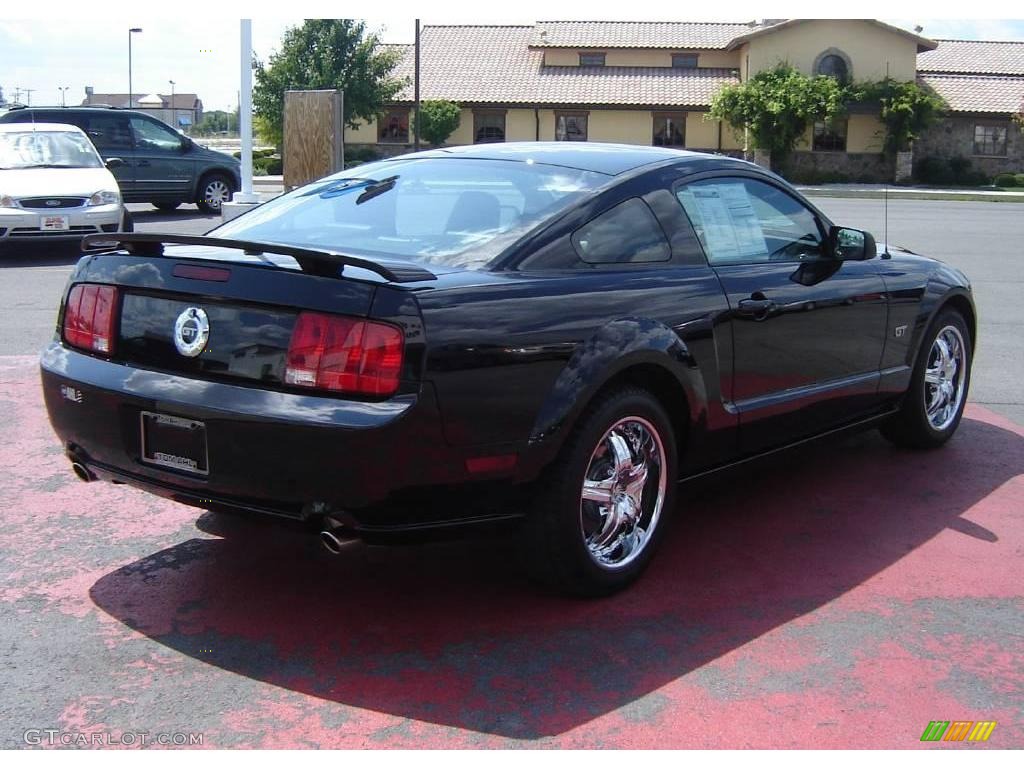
x=839, y=596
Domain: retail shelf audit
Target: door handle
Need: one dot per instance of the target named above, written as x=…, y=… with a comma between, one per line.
x=756, y=307
x=142, y=164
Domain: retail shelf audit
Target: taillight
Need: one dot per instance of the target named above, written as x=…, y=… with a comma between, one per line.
x=344, y=354
x=90, y=316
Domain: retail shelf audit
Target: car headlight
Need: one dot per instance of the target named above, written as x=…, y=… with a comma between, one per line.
x=6, y=201
x=105, y=197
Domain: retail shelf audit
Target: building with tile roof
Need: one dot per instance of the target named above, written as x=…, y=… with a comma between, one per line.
x=653, y=83
x=183, y=111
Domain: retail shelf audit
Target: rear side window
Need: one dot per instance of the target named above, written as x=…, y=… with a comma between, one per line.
x=626, y=234
x=109, y=133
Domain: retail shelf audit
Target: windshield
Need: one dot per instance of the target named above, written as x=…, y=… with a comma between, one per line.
x=455, y=212
x=46, y=149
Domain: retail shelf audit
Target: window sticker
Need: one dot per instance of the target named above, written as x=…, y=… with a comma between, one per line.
x=728, y=225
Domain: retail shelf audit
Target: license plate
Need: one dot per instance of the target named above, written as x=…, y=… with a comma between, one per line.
x=174, y=442
x=55, y=223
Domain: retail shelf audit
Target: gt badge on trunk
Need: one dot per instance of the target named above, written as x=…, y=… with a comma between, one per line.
x=191, y=330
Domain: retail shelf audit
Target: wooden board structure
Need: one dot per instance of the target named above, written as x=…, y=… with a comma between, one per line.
x=313, y=136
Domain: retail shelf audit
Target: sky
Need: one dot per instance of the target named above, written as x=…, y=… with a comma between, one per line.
x=201, y=52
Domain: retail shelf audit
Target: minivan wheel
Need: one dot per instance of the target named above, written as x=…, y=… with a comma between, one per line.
x=603, y=504
x=214, y=191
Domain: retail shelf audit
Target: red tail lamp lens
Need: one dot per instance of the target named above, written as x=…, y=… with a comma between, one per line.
x=344, y=354
x=90, y=316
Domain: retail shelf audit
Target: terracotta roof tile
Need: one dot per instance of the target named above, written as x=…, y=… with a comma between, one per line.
x=635, y=34
x=975, y=57
x=493, y=64
x=978, y=93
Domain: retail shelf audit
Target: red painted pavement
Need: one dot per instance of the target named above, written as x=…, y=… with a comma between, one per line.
x=841, y=596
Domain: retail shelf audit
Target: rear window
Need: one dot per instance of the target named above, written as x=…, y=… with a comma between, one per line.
x=447, y=211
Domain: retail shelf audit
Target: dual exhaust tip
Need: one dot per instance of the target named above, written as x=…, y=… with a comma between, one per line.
x=335, y=537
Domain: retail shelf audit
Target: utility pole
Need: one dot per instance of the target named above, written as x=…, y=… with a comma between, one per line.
x=416, y=88
x=131, y=31
x=28, y=96
x=174, y=111
x=63, y=91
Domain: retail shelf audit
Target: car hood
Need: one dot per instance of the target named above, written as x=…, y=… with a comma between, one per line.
x=65, y=182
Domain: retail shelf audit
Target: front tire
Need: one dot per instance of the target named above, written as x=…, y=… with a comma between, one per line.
x=603, y=504
x=934, y=403
x=214, y=191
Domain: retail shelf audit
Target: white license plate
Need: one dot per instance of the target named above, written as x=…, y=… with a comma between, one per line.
x=55, y=223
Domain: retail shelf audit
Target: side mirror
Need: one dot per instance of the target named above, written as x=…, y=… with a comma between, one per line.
x=186, y=144
x=114, y=162
x=851, y=244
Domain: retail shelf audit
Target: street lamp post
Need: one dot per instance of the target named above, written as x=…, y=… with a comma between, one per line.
x=174, y=112
x=63, y=91
x=131, y=31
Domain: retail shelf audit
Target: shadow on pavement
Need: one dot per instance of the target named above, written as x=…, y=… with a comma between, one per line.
x=451, y=634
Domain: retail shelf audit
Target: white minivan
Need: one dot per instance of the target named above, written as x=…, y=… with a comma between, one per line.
x=54, y=185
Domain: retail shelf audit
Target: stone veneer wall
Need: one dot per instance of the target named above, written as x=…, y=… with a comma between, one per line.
x=866, y=167
x=954, y=135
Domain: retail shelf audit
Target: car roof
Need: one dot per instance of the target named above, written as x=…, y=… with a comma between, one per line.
x=22, y=127
x=610, y=159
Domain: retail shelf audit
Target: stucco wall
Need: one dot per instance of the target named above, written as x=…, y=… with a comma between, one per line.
x=638, y=57
x=870, y=48
x=363, y=133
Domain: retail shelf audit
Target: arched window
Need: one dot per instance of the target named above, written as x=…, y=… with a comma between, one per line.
x=833, y=65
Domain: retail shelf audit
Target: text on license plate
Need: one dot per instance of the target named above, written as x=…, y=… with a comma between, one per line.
x=174, y=442
x=54, y=223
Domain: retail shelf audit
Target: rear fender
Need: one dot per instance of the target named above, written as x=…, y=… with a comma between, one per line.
x=617, y=347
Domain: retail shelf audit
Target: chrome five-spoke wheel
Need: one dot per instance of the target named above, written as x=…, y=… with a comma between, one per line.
x=944, y=378
x=623, y=492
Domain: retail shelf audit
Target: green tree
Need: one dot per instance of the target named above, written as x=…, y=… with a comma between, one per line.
x=905, y=108
x=438, y=120
x=217, y=121
x=777, y=106
x=325, y=54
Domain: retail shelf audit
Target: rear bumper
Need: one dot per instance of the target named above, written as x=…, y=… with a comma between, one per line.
x=276, y=452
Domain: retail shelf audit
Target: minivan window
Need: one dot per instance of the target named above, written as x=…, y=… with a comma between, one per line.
x=149, y=135
x=109, y=133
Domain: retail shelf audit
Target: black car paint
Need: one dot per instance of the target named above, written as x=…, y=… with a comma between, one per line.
x=504, y=360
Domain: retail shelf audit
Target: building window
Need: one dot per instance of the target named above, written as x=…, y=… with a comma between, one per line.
x=591, y=59
x=670, y=129
x=393, y=127
x=684, y=60
x=488, y=127
x=833, y=65
x=570, y=126
x=990, y=139
x=829, y=136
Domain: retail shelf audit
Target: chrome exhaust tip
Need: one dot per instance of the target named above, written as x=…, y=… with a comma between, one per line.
x=336, y=540
x=82, y=472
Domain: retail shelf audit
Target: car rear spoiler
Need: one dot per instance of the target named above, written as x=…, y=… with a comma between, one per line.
x=315, y=262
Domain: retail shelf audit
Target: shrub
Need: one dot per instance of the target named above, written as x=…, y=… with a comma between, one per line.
x=360, y=154
x=1006, y=180
x=933, y=170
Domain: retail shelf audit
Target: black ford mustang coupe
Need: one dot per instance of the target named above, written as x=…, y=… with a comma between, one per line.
x=549, y=332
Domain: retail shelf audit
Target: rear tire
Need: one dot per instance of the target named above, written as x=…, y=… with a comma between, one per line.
x=214, y=190
x=934, y=402
x=602, y=506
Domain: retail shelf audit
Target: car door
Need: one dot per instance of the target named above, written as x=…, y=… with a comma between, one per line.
x=163, y=170
x=808, y=329
x=112, y=137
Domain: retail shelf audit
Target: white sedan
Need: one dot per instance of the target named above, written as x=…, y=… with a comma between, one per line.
x=54, y=185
